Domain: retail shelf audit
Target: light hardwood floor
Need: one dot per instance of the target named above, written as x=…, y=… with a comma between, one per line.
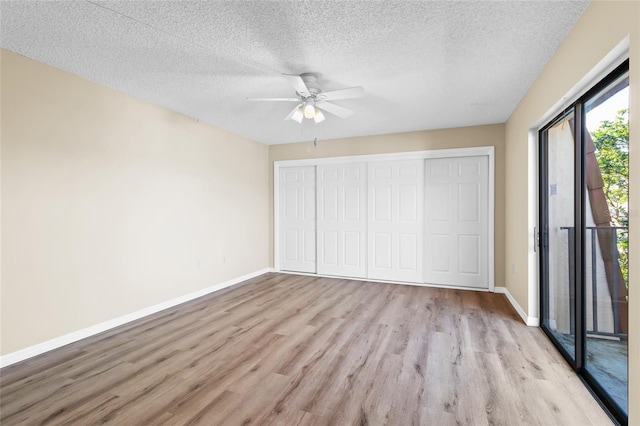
x=297, y=350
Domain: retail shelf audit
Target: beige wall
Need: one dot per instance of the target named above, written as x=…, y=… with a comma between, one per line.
x=111, y=204
x=602, y=26
x=464, y=137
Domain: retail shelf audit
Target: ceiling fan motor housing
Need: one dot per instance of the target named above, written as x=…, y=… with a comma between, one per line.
x=311, y=81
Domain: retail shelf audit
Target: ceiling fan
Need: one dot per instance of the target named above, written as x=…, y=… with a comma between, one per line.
x=311, y=99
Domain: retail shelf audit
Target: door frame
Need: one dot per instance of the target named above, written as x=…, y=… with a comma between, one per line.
x=605, y=66
x=488, y=151
x=577, y=360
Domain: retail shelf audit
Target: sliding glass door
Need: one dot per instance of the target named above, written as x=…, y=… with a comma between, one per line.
x=584, y=237
x=558, y=232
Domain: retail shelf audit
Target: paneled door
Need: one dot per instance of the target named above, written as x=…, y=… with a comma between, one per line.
x=342, y=222
x=456, y=222
x=395, y=220
x=298, y=219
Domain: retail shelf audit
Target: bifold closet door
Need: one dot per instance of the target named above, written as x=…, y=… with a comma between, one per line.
x=342, y=225
x=297, y=219
x=395, y=205
x=456, y=221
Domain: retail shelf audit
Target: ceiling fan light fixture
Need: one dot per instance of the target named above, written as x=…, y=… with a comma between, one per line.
x=308, y=93
x=319, y=117
x=297, y=115
x=309, y=109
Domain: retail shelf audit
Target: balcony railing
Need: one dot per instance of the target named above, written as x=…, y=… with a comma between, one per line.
x=614, y=276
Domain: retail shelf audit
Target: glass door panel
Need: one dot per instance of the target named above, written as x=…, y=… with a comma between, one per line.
x=559, y=232
x=607, y=238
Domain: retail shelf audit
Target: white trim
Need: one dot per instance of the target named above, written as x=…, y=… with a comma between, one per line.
x=492, y=215
x=530, y=321
x=58, y=342
x=489, y=151
x=610, y=62
x=409, y=155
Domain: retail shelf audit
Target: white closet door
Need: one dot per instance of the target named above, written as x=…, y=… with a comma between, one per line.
x=456, y=221
x=298, y=219
x=395, y=220
x=342, y=221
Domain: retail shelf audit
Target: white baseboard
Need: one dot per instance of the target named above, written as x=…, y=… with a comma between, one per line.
x=530, y=321
x=57, y=342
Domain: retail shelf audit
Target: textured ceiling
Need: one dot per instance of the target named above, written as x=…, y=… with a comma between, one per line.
x=424, y=65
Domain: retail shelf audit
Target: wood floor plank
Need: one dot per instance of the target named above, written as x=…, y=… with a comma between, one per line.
x=284, y=349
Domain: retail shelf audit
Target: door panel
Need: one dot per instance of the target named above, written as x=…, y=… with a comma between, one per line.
x=469, y=254
x=439, y=249
x=408, y=252
x=298, y=219
x=559, y=233
x=395, y=220
x=456, y=221
x=382, y=250
x=341, y=219
x=352, y=249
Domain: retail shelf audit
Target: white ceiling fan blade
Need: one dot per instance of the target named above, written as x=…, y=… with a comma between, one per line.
x=348, y=93
x=275, y=99
x=295, y=114
x=335, y=109
x=297, y=83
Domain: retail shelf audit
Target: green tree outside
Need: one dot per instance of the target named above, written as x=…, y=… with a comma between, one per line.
x=612, y=152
